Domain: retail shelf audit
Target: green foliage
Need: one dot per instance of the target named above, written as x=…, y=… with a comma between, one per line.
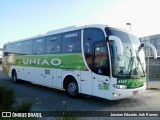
x=25, y=106
x=7, y=98
x=7, y=101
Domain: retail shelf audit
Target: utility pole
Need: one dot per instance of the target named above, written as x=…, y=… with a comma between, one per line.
x=148, y=67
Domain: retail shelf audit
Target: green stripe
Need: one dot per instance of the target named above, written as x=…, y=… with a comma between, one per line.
x=70, y=60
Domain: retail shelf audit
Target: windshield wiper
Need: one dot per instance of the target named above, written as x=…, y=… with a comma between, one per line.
x=131, y=63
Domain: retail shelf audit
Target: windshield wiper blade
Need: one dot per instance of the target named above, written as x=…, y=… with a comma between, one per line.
x=131, y=63
x=133, y=60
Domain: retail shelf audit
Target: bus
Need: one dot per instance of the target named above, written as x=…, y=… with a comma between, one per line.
x=96, y=60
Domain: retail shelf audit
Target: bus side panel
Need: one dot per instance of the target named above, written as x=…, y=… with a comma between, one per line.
x=24, y=73
x=21, y=72
x=31, y=74
x=43, y=76
x=59, y=80
x=54, y=77
x=86, y=83
x=101, y=86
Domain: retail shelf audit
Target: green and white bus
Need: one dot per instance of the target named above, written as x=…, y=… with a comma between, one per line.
x=95, y=60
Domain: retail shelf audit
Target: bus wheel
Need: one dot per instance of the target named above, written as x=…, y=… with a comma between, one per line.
x=14, y=76
x=72, y=88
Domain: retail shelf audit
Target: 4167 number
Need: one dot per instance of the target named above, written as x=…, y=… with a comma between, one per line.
x=122, y=81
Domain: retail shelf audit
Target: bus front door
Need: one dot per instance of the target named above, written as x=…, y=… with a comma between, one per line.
x=100, y=70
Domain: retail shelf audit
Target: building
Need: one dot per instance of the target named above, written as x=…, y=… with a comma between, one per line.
x=154, y=65
x=154, y=40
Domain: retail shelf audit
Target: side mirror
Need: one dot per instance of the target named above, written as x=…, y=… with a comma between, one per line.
x=119, y=45
x=152, y=47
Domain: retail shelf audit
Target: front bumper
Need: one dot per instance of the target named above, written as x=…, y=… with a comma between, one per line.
x=125, y=93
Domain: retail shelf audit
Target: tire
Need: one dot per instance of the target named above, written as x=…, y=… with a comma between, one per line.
x=72, y=88
x=14, y=77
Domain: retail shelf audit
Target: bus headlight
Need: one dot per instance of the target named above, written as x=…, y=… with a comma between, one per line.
x=119, y=86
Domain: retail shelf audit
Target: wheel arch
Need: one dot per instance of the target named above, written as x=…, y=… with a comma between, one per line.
x=66, y=79
x=12, y=71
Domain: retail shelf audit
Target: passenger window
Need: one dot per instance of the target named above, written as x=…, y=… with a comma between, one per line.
x=38, y=46
x=71, y=42
x=18, y=47
x=9, y=48
x=27, y=47
x=53, y=44
x=4, y=48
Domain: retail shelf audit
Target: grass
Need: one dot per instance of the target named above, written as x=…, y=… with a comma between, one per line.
x=7, y=98
x=24, y=107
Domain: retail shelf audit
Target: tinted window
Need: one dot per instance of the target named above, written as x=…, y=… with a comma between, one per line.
x=122, y=35
x=100, y=61
x=95, y=51
x=27, y=47
x=4, y=47
x=71, y=42
x=134, y=39
x=100, y=56
x=91, y=36
x=18, y=47
x=38, y=46
x=9, y=48
x=53, y=44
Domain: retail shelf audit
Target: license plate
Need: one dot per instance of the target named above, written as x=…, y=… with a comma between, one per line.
x=135, y=92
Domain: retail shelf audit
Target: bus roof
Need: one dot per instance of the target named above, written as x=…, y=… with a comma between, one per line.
x=61, y=30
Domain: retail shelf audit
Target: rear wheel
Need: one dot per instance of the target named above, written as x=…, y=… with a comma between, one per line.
x=14, y=76
x=72, y=88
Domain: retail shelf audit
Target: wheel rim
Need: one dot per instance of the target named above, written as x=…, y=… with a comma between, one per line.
x=72, y=88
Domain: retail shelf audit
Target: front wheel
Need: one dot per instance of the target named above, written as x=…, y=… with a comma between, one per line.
x=72, y=89
x=14, y=77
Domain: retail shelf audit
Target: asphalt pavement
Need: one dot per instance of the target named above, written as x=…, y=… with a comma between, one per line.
x=154, y=84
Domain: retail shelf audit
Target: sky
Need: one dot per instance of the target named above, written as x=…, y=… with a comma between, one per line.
x=26, y=18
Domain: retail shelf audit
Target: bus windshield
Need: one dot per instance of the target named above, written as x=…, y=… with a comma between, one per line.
x=131, y=63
